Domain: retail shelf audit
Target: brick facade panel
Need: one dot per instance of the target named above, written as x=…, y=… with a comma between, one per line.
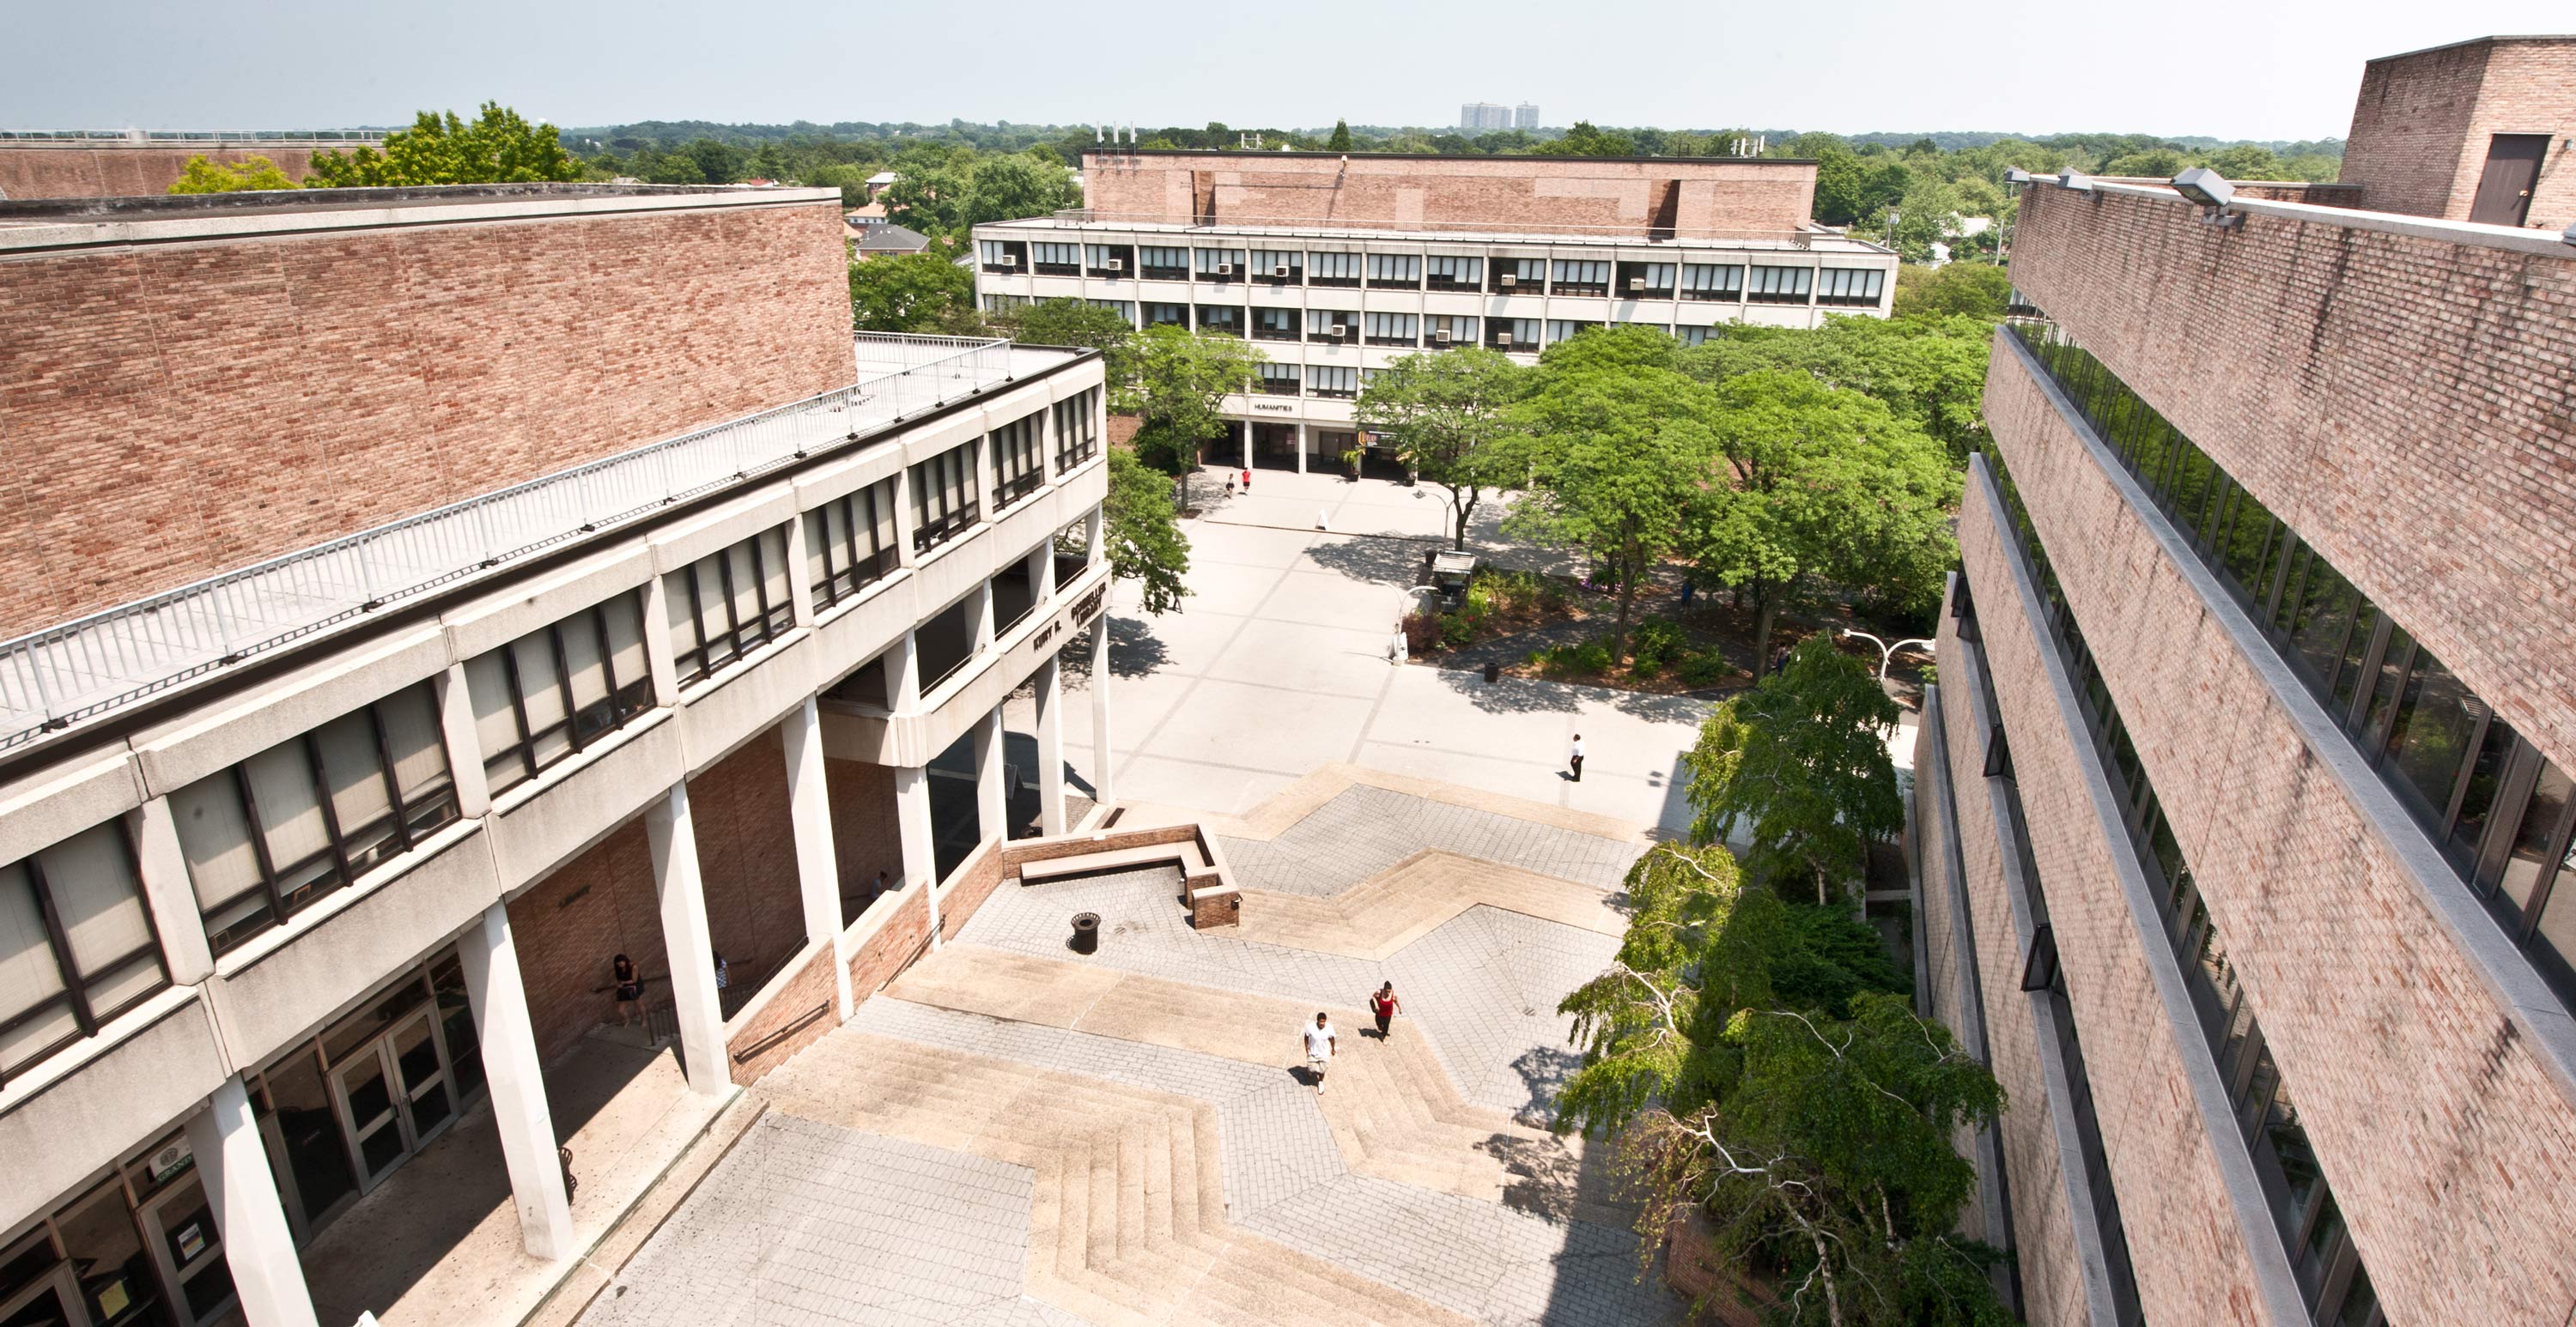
x=2451, y=1151
x=175, y=411
x=123, y=172
x=788, y=1023
x=2400, y=401
x=2424, y=123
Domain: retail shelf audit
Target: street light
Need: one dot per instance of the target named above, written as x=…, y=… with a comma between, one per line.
x=1885, y=650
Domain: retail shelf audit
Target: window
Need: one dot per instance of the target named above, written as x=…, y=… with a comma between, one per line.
x=1564, y=329
x=1019, y=461
x=1523, y=276
x=1849, y=285
x=1645, y=280
x=1279, y=266
x=1780, y=285
x=994, y=303
x=1332, y=269
x=1395, y=271
x=1077, y=430
x=1125, y=309
x=851, y=543
x=1393, y=329
x=1219, y=264
x=1692, y=336
x=1051, y=259
x=1332, y=380
x=1450, y=330
x=1167, y=315
x=1109, y=260
x=1279, y=379
x=77, y=946
x=1163, y=263
x=1580, y=276
x=1521, y=334
x=1221, y=319
x=1274, y=324
x=1333, y=326
x=728, y=603
x=1450, y=273
x=943, y=497
x=551, y=694
x=1003, y=255
x=1705, y=281
x=286, y=828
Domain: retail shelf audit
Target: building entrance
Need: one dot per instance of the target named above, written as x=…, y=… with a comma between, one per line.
x=179, y=1230
x=392, y=1095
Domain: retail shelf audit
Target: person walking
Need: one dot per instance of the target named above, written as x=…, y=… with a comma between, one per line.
x=1247, y=481
x=629, y=985
x=1386, y=1007
x=1575, y=758
x=1319, y=1050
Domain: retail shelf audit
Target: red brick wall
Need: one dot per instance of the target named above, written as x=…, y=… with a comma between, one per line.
x=866, y=837
x=883, y=956
x=118, y=172
x=1507, y=193
x=2400, y=401
x=787, y=1024
x=176, y=411
x=747, y=857
x=2424, y=122
x=2451, y=1151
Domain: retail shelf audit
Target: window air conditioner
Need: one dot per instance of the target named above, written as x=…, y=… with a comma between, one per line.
x=1117, y=264
x=1507, y=280
x=1503, y=338
x=1280, y=271
x=1225, y=269
x=1341, y=330
x=1636, y=283
x=1442, y=337
x=1010, y=260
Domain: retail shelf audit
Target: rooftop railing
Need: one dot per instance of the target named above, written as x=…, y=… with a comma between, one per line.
x=182, y=138
x=1464, y=232
x=77, y=670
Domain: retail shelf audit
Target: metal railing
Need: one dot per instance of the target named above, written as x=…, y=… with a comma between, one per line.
x=183, y=138
x=63, y=674
x=1498, y=231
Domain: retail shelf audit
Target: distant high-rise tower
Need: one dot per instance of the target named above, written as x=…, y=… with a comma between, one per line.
x=1484, y=115
x=1525, y=116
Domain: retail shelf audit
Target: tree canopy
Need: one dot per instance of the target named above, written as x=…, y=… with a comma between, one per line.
x=1930, y=371
x=1801, y=760
x=1447, y=414
x=1144, y=538
x=1009, y=188
x=912, y=292
x=202, y=176
x=1071, y=322
x=1341, y=139
x=1179, y=382
x=497, y=147
x=1964, y=290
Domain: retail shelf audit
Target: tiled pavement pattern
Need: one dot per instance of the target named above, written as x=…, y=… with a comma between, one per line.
x=806, y=1222
x=1285, y=1179
x=1365, y=830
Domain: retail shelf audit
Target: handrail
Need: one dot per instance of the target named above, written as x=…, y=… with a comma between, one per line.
x=76, y=670
x=151, y=137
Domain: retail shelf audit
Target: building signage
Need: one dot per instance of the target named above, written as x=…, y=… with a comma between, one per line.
x=1275, y=407
x=1089, y=606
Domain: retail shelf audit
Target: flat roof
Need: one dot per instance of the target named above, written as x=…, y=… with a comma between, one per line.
x=1251, y=154
x=1803, y=241
x=55, y=223
x=2474, y=41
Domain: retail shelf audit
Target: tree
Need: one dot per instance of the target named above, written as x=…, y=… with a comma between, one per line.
x=1808, y=773
x=910, y=292
x=1341, y=139
x=931, y=200
x=1971, y=290
x=1447, y=414
x=1144, y=538
x=1008, y=188
x=1071, y=322
x=1178, y=387
x=499, y=147
x=1623, y=451
x=1930, y=371
x=1827, y=488
x=214, y=177
x=1585, y=141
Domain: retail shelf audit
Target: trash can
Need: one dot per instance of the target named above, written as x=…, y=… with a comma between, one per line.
x=1493, y=672
x=1086, y=932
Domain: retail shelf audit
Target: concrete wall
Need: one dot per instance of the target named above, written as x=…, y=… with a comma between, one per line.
x=178, y=409
x=1545, y=195
x=2424, y=121
x=2400, y=400
x=114, y=170
x=2451, y=1148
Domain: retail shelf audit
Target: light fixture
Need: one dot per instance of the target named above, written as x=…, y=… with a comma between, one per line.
x=2204, y=186
x=2569, y=234
x=2070, y=178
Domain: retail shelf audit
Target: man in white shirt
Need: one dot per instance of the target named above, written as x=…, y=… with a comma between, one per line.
x=1319, y=1050
x=1576, y=758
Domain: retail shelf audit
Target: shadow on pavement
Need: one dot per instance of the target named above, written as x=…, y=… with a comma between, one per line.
x=1134, y=651
x=1379, y=559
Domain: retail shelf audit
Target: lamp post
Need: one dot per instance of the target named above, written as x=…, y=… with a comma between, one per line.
x=1886, y=651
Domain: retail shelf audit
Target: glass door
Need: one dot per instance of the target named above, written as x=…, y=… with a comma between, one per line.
x=363, y=1091
x=422, y=1064
x=52, y=1300
x=179, y=1227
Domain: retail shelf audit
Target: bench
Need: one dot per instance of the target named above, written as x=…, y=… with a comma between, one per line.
x=1184, y=854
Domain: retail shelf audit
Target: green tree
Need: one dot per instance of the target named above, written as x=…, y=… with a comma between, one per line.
x=1930, y=371
x=931, y=200
x=2156, y=163
x=1809, y=774
x=851, y=180
x=1969, y=290
x=718, y=162
x=1623, y=447
x=1341, y=139
x=214, y=177
x=1009, y=188
x=1071, y=322
x=1585, y=141
x=1179, y=384
x=1827, y=488
x=1143, y=535
x=1448, y=416
x=499, y=147
x=911, y=292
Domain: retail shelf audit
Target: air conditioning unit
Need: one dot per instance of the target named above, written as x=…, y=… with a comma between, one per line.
x=1117, y=264
x=1507, y=281
x=1010, y=260
x=1280, y=271
x=1341, y=330
x=1225, y=269
x=1503, y=338
x=1636, y=283
x=1441, y=337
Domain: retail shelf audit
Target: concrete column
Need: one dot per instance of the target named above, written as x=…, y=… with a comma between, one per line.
x=912, y=823
x=982, y=456
x=1247, y=444
x=1041, y=563
x=511, y=1069
x=980, y=615
x=903, y=675
x=684, y=937
x=1302, y=441
x=168, y=892
x=1101, y=760
x=809, y=812
x=1050, y=725
x=1095, y=533
x=800, y=585
x=904, y=555
x=464, y=744
x=657, y=642
x=258, y=1246
x=992, y=795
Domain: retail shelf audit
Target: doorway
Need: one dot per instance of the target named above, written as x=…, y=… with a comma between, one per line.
x=2513, y=171
x=392, y=1095
x=179, y=1229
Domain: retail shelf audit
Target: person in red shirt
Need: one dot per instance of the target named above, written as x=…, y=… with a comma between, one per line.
x=1247, y=483
x=1384, y=1005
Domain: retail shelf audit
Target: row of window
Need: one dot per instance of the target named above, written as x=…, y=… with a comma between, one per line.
x=1412, y=271
x=1341, y=327
x=2322, y=1254
x=2503, y=813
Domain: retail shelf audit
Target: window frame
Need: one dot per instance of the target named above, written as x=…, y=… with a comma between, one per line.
x=1149, y=270
x=1581, y=283
x=1018, y=449
x=1335, y=267
x=963, y=505
x=1757, y=291
x=623, y=708
x=87, y=1017
x=696, y=662
x=1077, y=429
x=844, y=580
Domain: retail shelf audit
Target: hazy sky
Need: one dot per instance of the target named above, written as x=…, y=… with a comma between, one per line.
x=2260, y=69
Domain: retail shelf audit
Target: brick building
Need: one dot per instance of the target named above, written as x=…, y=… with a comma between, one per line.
x=1338, y=264
x=131, y=163
x=428, y=596
x=2243, y=816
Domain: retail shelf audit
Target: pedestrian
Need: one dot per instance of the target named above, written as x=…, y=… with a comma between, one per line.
x=630, y=990
x=884, y=886
x=1229, y=483
x=1385, y=1006
x=1780, y=659
x=1686, y=593
x=1397, y=648
x=1319, y=1050
x=1575, y=759
x=724, y=974
x=1247, y=481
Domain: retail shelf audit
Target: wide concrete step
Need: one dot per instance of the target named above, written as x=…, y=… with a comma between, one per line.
x=1186, y=854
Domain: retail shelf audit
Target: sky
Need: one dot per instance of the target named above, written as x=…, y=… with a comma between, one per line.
x=2268, y=69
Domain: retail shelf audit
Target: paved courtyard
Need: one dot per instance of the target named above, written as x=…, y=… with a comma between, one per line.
x=1015, y=1134
x=1277, y=664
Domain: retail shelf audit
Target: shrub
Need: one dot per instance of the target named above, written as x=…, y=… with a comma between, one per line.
x=1591, y=656
x=1421, y=633
x=1706, y=668
x=1457, y=630
x=1654, y=642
